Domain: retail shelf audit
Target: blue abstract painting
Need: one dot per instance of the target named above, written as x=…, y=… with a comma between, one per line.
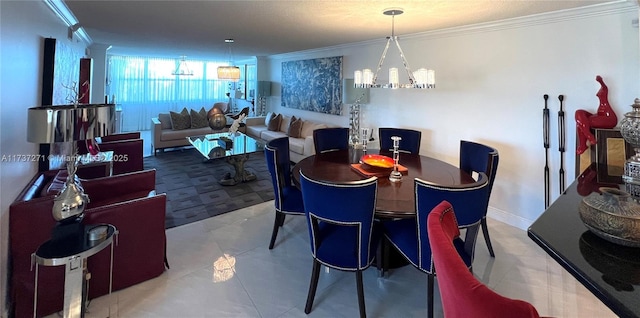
x=313, y=85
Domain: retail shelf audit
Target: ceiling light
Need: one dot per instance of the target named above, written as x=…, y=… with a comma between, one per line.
x=229, y=72
x=421, y=78
x=183, y=68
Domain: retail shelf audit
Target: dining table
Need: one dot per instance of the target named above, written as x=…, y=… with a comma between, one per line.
x=395, y=200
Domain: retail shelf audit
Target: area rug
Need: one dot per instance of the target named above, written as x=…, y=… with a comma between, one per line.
x=192, y=188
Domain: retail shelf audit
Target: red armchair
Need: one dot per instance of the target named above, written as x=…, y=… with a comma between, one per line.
x=461, y=293
x=127, y=201
x=127, y=151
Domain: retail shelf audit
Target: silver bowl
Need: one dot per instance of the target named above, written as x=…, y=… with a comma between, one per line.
x=612, y=215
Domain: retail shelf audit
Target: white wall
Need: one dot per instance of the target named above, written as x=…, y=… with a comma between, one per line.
x=23, y=25
x=490, y=83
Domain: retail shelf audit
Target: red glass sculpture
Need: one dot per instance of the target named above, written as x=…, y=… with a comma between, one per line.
x=604, y=118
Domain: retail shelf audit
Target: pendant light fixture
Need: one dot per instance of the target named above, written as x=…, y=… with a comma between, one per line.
x=229, y=72
x=421, y=78
x=183, y=69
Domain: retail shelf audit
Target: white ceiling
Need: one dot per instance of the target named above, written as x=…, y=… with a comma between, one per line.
x=267, y=27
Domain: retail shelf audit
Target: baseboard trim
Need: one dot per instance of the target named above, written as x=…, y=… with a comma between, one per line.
x=509, y=218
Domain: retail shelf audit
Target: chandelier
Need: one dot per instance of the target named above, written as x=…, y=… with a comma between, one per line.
x=229, y=72
x=183, y=69
x=421, y=78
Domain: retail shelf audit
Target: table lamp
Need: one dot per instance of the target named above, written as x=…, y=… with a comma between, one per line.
x=354, y=96
x=68, y=124
x=264, y=91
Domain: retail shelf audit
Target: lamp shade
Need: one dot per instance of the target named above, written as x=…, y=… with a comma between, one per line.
x=64, y=123
x=229, y=73
x=350, y=93
x=264, y=88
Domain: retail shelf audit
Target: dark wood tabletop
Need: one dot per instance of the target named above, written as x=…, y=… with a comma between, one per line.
x=395, y=199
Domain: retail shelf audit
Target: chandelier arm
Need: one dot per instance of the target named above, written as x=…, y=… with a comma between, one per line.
x=412, y=79
x=384, y=54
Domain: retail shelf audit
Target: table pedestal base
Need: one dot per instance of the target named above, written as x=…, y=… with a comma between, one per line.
x=240, y=175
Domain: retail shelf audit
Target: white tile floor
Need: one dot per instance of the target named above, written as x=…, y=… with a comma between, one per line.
x=221, y=267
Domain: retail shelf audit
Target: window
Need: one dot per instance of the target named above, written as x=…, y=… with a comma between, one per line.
x=144, y=87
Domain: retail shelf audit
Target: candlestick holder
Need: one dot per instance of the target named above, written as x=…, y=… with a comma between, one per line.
x=365, y=138
x=395, y=175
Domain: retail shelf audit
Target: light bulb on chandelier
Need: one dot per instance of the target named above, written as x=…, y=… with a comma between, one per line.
x=421, y=78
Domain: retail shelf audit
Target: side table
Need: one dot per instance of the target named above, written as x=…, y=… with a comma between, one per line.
x=72, y=251
x=103, y=158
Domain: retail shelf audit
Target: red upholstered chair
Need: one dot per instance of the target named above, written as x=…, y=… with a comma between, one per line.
x=127, y=151
x=462, y=294
x=127, y=201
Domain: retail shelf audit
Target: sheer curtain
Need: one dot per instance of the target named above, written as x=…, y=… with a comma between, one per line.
x=144, y=87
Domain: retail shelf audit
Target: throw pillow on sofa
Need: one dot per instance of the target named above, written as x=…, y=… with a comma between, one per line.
x=295, y=127
x=165, y=120
x=268, y=118
x=199, y=119
x=181, y=120
x=274, y=123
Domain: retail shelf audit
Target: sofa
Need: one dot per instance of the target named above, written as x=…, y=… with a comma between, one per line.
x=300, y=144
x=167, y=135
x=130, y=204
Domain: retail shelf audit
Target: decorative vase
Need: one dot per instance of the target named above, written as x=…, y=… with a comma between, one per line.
x=612, y=215
x=217, y=120
x=630, y=130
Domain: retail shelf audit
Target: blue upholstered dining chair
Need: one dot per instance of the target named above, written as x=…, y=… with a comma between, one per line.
x=410, y=139
x=476, y=157
x=288, y=199
x=410, y=237
x=341, y=229
x=330, y=139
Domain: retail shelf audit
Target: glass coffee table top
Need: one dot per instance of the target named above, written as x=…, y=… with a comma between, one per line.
x=221, y=145
x=234, y=148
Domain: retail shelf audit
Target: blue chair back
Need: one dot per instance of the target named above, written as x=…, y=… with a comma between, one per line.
x=277, y=156
x=340, y=220
x=330, y=139
x=410, y=139
x=479, y=158
x=469, y=204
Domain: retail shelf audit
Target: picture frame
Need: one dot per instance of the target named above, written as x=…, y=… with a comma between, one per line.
x=313, y=85
x=611, y=153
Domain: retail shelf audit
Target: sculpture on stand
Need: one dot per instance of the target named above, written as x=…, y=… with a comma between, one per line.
x=605, y=117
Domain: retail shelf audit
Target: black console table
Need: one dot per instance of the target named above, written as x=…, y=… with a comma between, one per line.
x=71, y=251
x=611, y=272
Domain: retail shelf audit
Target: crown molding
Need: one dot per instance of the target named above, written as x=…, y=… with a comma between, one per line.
x=69, y=19
x=610, y=8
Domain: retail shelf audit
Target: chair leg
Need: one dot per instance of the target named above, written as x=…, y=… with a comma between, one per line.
x=363, y=311
x=430, y=295
x=282, y=215
x=379, y=257
x=276, y=225
x=313, y=285
x=383, y=263
x=485, y=232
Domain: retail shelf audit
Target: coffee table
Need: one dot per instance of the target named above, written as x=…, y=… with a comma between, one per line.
x=235, y=148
